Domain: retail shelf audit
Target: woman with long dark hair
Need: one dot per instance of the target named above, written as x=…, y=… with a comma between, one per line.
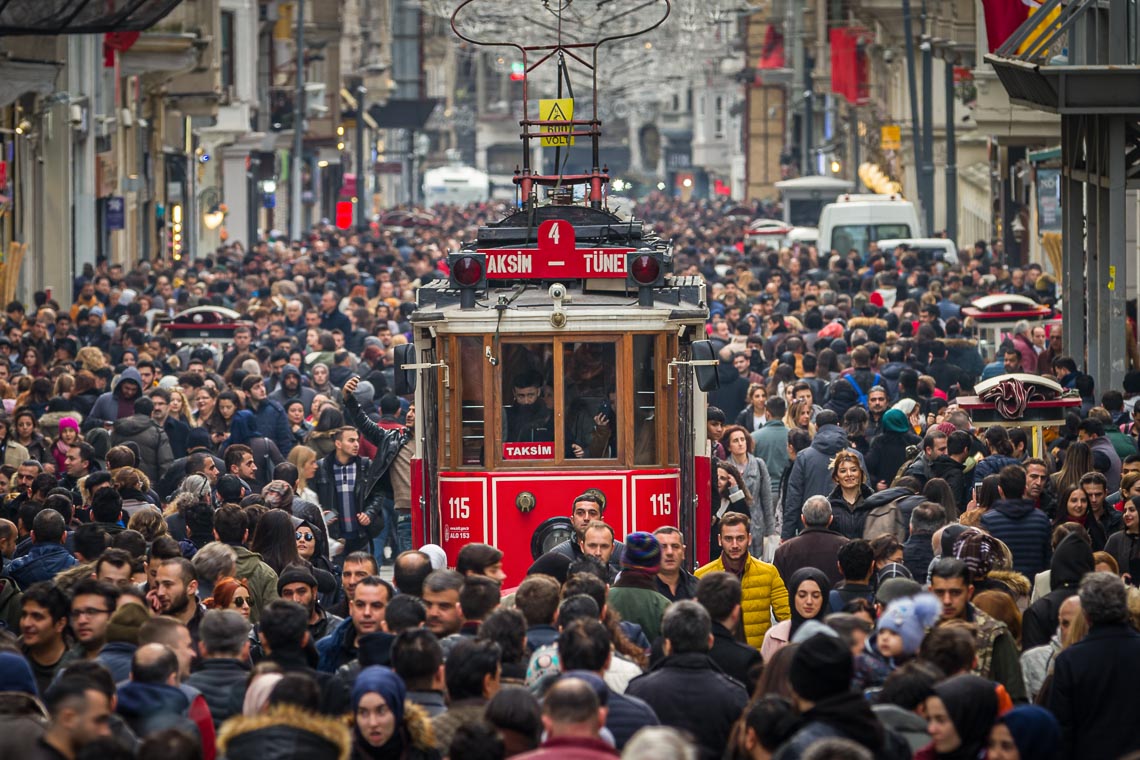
x=1124, y=545
x=274, y=539
x=226, y=406
x=1073, y=507
x=321, y=439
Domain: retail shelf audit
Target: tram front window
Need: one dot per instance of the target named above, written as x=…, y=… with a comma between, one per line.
x=528, y=418
x=590, y=396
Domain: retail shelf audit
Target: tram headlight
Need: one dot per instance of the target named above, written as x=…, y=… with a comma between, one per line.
x=645, y=270
x=467, y=274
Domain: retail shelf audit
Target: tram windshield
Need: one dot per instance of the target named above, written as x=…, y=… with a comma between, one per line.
x=606, y=386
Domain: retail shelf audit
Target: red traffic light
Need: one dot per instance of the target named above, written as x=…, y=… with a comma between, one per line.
x=645, y=269
x=467, y=271
x=343, y=215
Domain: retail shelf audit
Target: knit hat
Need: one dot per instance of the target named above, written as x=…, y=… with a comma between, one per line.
x=199, y=438
x=946, y=427
x=893, y=570
x=365, y=392
x=894, y=421
x=1035, y=731
x=909, y=617
x=16, y=675
x=981, y=552
x=385, y=683
x=68, y=422
x=125, y=623
x=814, y=628
x=389, y=404
x=295, y=574
x=822, y=667
x=278, y=495
x=642, y=553
x=896, y=588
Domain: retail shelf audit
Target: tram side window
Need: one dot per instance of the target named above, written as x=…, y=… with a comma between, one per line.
x=590, y=398
x=472, y=406
x=645, y=399
x=528, y=399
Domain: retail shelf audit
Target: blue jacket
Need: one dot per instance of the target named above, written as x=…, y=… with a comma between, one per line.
x=1025, y=530
x=273, y=424
x=116, y=657
x=41, y=563
x=991, y=465
x=333, y=648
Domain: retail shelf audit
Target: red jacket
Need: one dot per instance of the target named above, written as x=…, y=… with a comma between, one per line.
x=571, y=749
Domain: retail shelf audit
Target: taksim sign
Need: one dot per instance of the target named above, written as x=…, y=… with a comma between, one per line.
x=556, y=257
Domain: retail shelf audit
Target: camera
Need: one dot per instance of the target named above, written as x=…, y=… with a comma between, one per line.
x=557, y=291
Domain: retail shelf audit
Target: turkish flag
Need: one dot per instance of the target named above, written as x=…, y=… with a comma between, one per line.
x=1002, y=19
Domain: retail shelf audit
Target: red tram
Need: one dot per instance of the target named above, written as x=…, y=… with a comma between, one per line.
x=560, y=356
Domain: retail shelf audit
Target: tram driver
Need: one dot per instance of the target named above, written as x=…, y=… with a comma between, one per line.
x=528, y=418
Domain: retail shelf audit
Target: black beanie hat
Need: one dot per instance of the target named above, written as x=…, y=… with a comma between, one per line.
x=822, y=667
x=296, y=574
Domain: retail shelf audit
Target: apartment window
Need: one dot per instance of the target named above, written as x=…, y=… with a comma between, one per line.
x=227, y=48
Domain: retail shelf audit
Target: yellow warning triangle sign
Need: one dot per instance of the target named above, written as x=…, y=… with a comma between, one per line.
x=556, y=109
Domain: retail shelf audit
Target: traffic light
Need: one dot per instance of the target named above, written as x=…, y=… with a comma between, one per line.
x=467, y=273
x=645, y=270
x=518, y=71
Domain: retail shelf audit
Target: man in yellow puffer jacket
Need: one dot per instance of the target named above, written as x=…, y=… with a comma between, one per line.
x=764, y=594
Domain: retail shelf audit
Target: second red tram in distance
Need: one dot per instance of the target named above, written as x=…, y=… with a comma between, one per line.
x=560, y=356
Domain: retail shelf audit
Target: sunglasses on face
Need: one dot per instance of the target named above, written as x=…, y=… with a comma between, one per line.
x=241, y=601
x=303, y=536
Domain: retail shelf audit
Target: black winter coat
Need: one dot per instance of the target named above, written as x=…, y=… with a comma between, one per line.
x=688, y=691
x=734, y=657
x=222, y=683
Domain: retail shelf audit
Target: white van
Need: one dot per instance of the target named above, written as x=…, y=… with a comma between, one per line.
x=927, y=249
x=855, y=221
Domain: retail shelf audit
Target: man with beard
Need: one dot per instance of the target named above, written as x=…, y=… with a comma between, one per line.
x=175, y=594
x=528, y=419
x=764, y=595
x=297, y=584
x=118, y=403
x=290, y=388
x=674, y=582
x=366, y=612
x=43, y=619
x=587, y=508
x=92, y=605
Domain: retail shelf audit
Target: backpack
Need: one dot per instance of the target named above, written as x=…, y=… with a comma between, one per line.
x=860, y=396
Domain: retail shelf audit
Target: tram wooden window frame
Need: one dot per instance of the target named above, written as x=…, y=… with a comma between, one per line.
x=665, y=449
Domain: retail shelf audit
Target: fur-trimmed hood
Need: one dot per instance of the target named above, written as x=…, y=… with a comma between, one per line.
x=1016, y=582
x=866, y=322
x=960, y=342
x=285, y=732
x=417, y=725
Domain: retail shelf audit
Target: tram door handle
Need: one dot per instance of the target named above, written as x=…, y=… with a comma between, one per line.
x=432, y=365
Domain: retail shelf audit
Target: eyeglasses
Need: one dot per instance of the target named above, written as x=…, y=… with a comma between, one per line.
x=303, y=536
x=88, y=612
x=241, y=601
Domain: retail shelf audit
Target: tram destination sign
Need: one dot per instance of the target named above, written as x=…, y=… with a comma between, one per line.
x=556, y=257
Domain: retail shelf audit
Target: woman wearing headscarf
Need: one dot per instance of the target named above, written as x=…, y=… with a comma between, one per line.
x=385, y=725
x=888, y=449
x=808, y=589
x=959, y=716
x=1025, y=732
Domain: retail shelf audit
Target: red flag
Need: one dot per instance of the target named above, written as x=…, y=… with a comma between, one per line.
x=1002, y=19
x=772, y=56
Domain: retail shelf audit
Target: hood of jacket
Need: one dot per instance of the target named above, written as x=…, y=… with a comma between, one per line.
x=130, y=374
x=136, y=424
x=892, y=370
x=830, y=440
x=1072, y=559
x=138, y=699
x=887, y=495
x=285, y=733
x=1014, y=509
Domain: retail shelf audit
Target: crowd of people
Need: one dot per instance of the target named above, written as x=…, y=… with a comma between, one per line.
x=193, y=538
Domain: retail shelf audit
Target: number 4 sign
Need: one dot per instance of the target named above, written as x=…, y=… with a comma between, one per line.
x=556, y=238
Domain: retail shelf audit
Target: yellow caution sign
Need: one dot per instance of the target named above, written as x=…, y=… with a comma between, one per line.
x=890, y=137
x=556, y=109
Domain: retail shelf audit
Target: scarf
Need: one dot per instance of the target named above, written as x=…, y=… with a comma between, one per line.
x=736, y=568
x=794, y=583
x=971, y=703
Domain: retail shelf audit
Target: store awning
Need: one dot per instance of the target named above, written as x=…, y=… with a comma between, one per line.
x=22, y=77
x=48, y=17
